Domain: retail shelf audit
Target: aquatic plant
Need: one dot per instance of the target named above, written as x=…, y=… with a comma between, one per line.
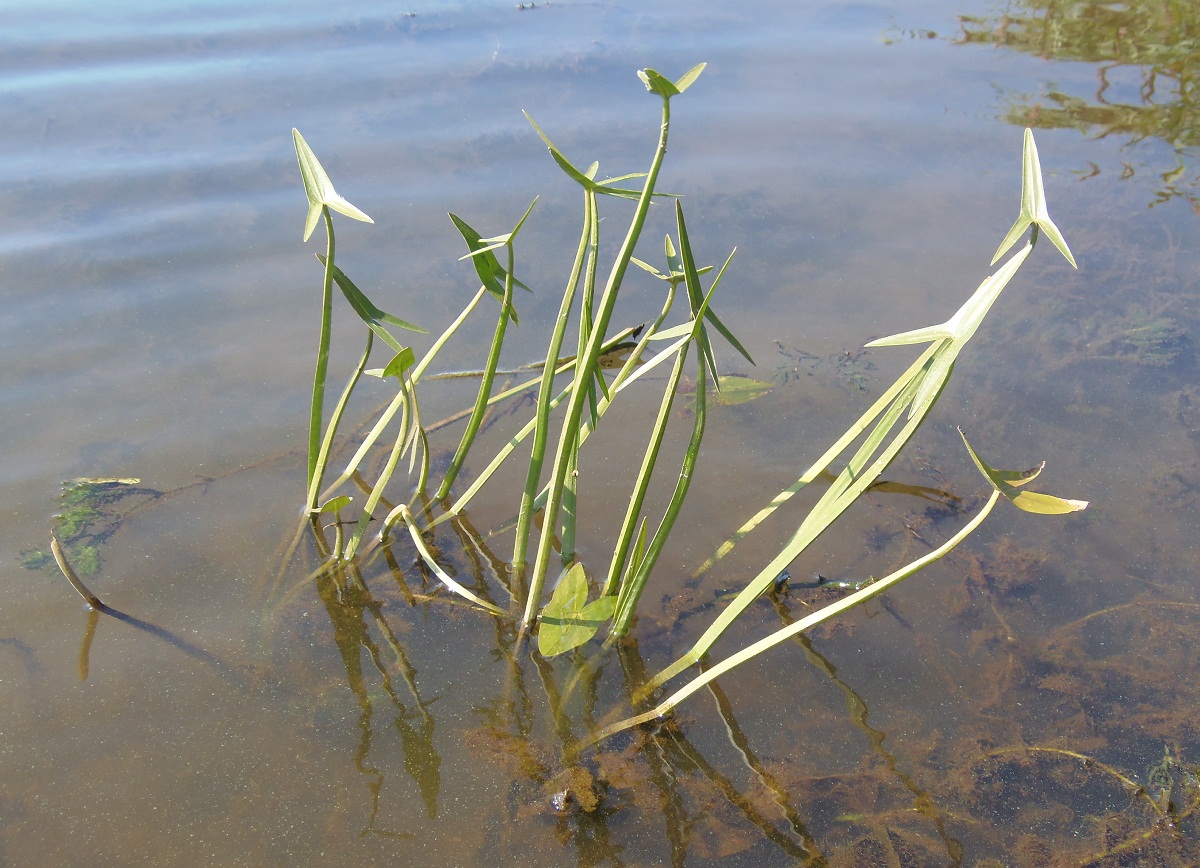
x=568, y=620
x=606, y=362
x=91, y=511
x=571, y=389
x=590, y=389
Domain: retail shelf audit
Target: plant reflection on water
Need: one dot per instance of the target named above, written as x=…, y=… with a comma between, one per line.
x=1145, y=53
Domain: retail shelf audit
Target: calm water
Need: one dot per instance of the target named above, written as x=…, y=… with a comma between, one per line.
x=158, y=320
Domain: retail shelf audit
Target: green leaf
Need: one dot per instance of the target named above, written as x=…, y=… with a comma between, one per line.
x=657, y=83
x=674, y=263
x=367, y=311
x=568, y=620
x=1033, y=205
x=319, y=188
x=399, y=364
x=678, y=274
x=587, y=179
x=712, y=317
x=736, y=389
x=487, y=266
x=1007, y=481
x=337, y=503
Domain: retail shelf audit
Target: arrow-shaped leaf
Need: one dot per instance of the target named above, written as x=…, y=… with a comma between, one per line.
x=1033, y=205
x=368, y=312
x=954, y=332
x=585, y=179
x=1007, y=482
x=657, y=83
x=487, y=266
x=568, y=620
x=319, y=188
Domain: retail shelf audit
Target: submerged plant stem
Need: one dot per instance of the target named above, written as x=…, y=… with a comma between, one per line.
x=541, y=428
x=335, y=420
x=820, y=616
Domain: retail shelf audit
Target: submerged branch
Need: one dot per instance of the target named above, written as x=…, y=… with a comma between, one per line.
x=65, y=567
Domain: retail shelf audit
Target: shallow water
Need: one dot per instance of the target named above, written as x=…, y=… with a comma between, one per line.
x=159, y=315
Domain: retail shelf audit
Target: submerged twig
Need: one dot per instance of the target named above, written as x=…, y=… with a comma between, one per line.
x=167, y=636
x=65, y=567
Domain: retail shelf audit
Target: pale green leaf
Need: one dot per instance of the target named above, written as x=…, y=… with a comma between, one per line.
x=645, y=266
x=685, y=81
x=962, y=326
x=684, y=328
x=736, y=389
x=319, y=189
x=1003, y=481
x=568, y=620
x=967, y=319
x=927, y=335
x=1034, y=210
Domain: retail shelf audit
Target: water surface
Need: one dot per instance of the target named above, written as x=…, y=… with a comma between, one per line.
x=159, y=315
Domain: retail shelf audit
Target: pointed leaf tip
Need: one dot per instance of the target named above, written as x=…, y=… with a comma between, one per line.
x=1007, y=482
x=1034, y=211
x=685, y=81
x=926, y=335
x=319, y=189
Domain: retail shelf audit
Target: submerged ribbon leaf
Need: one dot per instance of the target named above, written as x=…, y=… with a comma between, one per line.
x=319, y=188
x=737, y=389
x=569, y=620
x=1033, y=205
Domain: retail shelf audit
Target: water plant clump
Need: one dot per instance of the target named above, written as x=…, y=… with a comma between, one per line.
x=577, y=384
x=543, y=591
x=92, y=510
